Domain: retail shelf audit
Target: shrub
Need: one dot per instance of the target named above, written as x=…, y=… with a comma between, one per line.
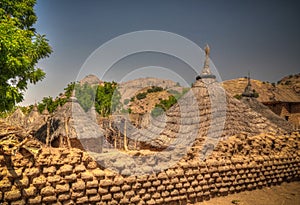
x=154, y=89
x=237, y=96
x=126, y=101
x=158, y=110
x=141, y=96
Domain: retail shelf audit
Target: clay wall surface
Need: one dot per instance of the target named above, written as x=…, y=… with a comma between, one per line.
x=70, y=176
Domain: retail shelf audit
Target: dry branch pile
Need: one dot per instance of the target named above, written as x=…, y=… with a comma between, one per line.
x=14, y=139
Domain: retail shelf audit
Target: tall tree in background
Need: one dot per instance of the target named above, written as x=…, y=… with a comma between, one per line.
x=21, y=47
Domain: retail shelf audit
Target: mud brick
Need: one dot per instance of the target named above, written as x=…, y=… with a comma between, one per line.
x=91, y=191
x=87, y=176
x=66, y=169
x=60, y=188
x=18, y=202
x=147, y=184
x=79, y=185
x=35, y=200
x=102, y=190
x=162, y=175
x=54, y=179
x=64, y=197
x=32, y=172
x=98, y=173
x=119, y=195
x=39, y=181
x=119, y=180
x=77, y=194
x=124, y=201
x=92, y=184
x=156, y=195
x=49, y=199
x=106, y=197
x=182, y=191
x=5, y=184
x=49, y=170
x=82, y=200
x=94, y=198
x=69, y=202
x=70, y=178
x=47, y=191
x=126, y=187
x=12, y=195
x=105, y=182
x=161, y=188
x=29, y=192
x=79, y=168
x=174, y=192
x=129, y=193
x=115, y=189
x=135, y=199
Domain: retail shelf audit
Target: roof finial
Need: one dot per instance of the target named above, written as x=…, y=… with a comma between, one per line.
x=207, y=50
x=73, y=96
x=248, y=92
x=206, y=73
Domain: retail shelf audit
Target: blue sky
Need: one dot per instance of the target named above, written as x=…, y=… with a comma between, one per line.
x=257, y=36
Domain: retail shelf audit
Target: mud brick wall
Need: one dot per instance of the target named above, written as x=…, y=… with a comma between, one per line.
x=70, y=176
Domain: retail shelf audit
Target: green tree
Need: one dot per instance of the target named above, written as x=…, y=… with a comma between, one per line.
x=21, y=47
x=107, y=99
x=85, y=95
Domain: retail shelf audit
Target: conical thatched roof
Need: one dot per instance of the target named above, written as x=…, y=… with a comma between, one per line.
x=34, y=120
x=71, y=121
x=92, y=114
x=45, y=111
x=257, y=106
x=17, y=118
x=201, y=117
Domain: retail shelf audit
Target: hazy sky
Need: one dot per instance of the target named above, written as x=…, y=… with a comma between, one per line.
x=244, y=35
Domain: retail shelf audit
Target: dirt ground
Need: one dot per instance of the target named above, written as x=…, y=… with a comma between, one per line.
x=285, y=194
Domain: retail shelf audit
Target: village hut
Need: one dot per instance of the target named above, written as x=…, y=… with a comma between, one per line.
x=92, y=113
x=34, y=120
x=249, y=98
x=17, y=118
x=33, y=115
x=202, y=117
x=70, y=126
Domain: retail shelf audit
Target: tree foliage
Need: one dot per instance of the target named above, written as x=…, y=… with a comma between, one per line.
x=85, y=95
x=107, y=99
x=21, y=47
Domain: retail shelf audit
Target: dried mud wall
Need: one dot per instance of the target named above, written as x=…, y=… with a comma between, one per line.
x=70, y=176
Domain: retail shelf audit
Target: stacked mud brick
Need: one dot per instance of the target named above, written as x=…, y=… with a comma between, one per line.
x=70, y=176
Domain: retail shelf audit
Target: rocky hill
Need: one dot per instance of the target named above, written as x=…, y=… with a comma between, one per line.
x=287, y=89
x=131, y=88
x=91, y=80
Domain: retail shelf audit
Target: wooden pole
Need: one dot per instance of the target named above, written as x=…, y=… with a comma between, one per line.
x=125, y=136
x=48, y=133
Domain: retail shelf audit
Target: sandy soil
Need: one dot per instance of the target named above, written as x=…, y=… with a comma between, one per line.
x=285, y=194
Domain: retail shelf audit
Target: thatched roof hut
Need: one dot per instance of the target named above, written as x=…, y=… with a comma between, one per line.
x=201, y=117
x=71, y=124
x=33, y=116
x=17, y=118
x=265, y=111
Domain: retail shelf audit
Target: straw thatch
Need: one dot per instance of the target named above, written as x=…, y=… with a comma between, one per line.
x=17, y=118
x=33, y=115
x=72, y=127
x=257, y=106
x=202, y=117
